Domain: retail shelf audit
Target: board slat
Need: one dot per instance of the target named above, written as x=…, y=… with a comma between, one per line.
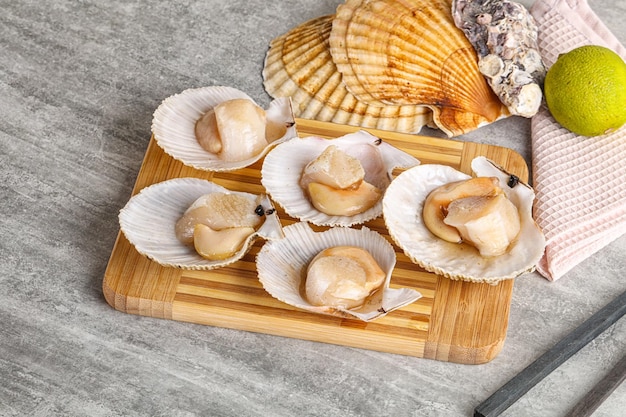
x=454, y=321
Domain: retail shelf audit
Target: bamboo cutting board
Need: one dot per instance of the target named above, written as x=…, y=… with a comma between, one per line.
x=453, y=321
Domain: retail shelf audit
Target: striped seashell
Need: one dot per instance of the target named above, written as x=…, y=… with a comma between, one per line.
x=386, y=64
x=410, y=52
x=299, y=65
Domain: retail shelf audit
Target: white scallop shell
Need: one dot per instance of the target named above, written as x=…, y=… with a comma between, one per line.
x=281, y=265
x=283, y=167
x=402, y=211
x=148, y=221
x=173, y=126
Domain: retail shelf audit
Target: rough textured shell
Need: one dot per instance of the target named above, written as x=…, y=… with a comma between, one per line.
x=299, y=65
x=283, y=165
x=281, y=265
x=148, y=222
x=411, y=52
x=504, y=35
x=402, y=208
x=174, y=122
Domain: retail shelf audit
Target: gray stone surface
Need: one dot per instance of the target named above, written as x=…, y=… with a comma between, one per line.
x=79, y=81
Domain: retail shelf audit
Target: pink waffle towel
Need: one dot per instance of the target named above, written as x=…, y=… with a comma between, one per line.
x=580, y=182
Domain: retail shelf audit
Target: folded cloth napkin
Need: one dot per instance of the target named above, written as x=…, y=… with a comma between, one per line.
x=580, y=182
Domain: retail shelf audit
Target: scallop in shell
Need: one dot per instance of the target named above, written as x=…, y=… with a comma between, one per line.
x=410, y=52
x=281, y=266
x=283, y=167
x=299, y=65
x=148, y=221
x=174, y=123
x=402, y=210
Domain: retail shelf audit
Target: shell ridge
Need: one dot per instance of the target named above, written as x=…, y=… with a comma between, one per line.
x=327, y=96
x=390, y=70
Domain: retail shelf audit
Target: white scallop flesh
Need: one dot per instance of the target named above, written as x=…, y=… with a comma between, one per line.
x=218, y=211
x=342, y=276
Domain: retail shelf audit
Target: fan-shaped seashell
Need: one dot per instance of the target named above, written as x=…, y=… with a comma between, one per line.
x=148, y=221
x=281, y=266
x=283, y=166
x=402, y=211
x=174, y=121
x=410, y=52
x=298, y=64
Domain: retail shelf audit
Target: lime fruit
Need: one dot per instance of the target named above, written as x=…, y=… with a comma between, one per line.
x=585, y=90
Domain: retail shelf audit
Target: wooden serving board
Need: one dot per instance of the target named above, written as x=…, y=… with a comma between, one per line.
x=454, y=321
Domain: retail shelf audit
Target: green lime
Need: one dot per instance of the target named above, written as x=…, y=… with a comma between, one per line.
x=585, y=90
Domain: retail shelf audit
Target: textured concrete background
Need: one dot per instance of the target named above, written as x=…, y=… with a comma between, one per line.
x=79, y=81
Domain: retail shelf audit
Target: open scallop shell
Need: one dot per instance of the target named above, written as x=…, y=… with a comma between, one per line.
x=281, y=265
x=282, y=170
x=299, y=65
x=402, y=210
x=411, y=52
x=148, y=222
x=174, y=122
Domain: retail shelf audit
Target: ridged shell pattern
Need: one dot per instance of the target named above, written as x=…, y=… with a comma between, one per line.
x=404, y=54
x=299, y=65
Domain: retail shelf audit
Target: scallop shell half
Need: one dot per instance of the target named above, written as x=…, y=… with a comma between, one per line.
x=173, y=126
x=283, y=166
x=389, y=64
x=281, y=265
x=148, y=222
x=411, y=52
x=402, y=210
x=299, y=65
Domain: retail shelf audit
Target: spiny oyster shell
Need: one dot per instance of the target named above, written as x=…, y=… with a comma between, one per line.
x=281, y=265
x=504, y=34
x=402, y=211
x=283, y=166
x=148, y=221
x=403, y=54
x=174, y=121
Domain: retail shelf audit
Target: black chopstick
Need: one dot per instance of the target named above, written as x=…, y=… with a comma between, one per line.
x=601, y=391
x=550, y=360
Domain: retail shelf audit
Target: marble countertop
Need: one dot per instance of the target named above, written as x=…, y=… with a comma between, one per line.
x=79, y=82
